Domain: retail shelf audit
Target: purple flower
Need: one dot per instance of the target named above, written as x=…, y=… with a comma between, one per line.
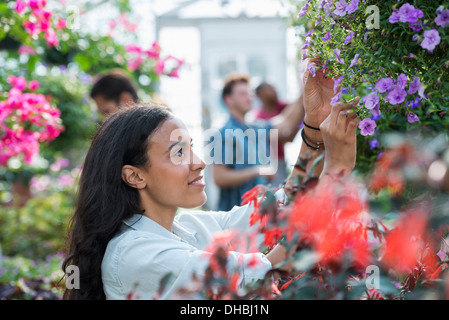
x=367, y=127
x=412, y=117
x=321, y=5
x=375, y=113
x=396, y=95
x=394, y=17
x=326, y=37
x=431, y=39
x=371, y=100
x=415, y=26
x=337, y=54
x=353, y=6
x=402, y=81
x=340, y=8
x=302, y=12
x=355, y=60
x=373, y=143
x=304, y=54
x=348, y=38
x=442, y=18
x=414, y=15
x=336, y=98
x=337, y=83
x=408, y=13
x=384, y=84
x=312, y=69
x=414, y=85
x=306, y=43
x=414, y=104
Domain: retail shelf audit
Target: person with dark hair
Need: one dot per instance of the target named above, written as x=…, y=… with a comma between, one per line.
x=270, y=107
x=113, y=90
x=234, y=177
x=126, y=234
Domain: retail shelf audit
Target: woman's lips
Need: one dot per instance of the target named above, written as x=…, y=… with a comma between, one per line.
x=198, y=182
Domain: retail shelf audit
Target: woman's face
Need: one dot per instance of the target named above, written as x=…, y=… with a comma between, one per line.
x=174, y=175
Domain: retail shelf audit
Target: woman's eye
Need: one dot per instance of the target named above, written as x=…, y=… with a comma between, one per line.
x=180, y=153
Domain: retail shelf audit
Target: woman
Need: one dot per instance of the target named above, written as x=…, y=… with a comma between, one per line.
x=126, y=233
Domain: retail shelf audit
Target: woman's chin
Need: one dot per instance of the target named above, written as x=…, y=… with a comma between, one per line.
x=197, y=202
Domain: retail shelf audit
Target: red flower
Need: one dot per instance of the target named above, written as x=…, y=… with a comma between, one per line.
x=331, y=217
x=407, y=244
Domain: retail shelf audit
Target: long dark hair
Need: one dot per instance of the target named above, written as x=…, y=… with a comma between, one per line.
x=104, y=199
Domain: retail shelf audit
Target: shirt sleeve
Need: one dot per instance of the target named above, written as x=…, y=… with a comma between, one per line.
x=144, y=262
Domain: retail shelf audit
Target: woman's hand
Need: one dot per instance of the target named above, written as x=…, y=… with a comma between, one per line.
x=318, y=93
x=339, y=131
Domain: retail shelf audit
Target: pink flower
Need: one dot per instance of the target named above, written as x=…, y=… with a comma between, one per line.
x=51, y=38
x=20, y=6
x=24, y=49
x=37, y=4
x=133, y=48
x=159, y=68
x=33, y=85
x=18, y=83
x=30, y=27
x=61, y=24
x=174, y=73
x=135, y=63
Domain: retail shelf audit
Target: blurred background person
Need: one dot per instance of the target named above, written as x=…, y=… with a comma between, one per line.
x=271, y=106
x=112, y=90
x=234, y=179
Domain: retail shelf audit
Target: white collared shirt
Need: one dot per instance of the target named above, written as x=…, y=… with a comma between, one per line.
x=144, y=252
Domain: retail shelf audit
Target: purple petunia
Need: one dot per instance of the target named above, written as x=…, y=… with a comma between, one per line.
x=337, y=55
x=414, y=104
x=326, y=37
x=371, y=100
x=304, y=54
x=402, y=81
x=408, y=13
x=367, y=127
x=396, y=95
x=394, y=17
x=355, y=60
x=411, y=117
x=306, y=43
x=384, y=84
x=348, y=38
x=336, y=98
x=353, y=6
x=304, y=9
x=373, y=143
x=431, y=39
x=337, y=83
x=414, y=85
x=340, y=8
x=312, y=69
x=442, y=18
x=375, y=113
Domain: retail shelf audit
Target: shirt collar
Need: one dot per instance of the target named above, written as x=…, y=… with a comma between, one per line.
x=143, y=223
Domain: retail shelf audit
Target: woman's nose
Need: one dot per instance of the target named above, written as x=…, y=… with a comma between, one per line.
x=197, y=162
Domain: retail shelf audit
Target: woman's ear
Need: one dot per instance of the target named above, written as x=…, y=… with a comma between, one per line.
x=132, y=176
